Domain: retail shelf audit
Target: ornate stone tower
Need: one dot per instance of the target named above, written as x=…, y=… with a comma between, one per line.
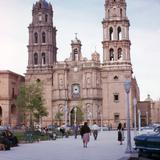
x=42, y=51
x=116, y=60
x=42, y=37
x=76, y=49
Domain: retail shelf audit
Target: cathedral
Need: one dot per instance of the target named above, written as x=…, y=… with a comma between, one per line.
x=78, y=88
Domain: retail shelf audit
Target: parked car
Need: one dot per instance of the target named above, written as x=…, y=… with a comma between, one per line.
x=146, y=130
x=52, y=127
x=148, y=143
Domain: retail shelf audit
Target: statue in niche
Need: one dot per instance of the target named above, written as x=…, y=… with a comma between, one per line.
x=61, y=82
x=98, y=81
x=88, y=81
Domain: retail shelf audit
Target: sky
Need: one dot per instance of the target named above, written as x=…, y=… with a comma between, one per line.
x=84, y=17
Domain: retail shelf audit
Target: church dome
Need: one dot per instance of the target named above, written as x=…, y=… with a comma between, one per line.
x=149, y=98
x=42, y=4
x=76, y=40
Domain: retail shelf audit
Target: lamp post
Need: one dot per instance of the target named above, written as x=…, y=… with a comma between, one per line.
x=75, y=115
x=147, y=118
x=139, y=120
x=52, y=118
x=127, y=86
x=101, y=122
x=135, y=117
x=65, y=113
x=90, y=117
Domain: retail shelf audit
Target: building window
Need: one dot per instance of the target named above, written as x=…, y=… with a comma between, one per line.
x=120, y=54
x=38, y=80
x=115, y=78
x=116, y=97
x=121, y=12
x=46, y=18
x=43, y=37
x=36, y=37
x=43, y=58
x=116, y=117
x=111, y=54
x=108, y=13
x=111, y=34
x=35, y=59
x=13, y=94
x=75, y=51
x=13, y=109
x=119, y=32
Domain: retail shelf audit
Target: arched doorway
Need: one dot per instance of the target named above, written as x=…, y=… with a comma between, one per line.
x=76, y=116
x=0, y=115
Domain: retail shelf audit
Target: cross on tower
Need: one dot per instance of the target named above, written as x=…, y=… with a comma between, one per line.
x=76, y=35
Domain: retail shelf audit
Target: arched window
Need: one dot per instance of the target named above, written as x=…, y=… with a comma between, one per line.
x=46, y=18
x=111, y=33
x=119, y=33
x=120, y=54
x=43, y=58
x=36, y=37
x=111, y=54
x=108, y=13
x=121, y=12
x=115, y=78
x=13, y=109
x=38, y=80
x=35, y=59
x=43, y=37
x=75, y=51
x=40, y=5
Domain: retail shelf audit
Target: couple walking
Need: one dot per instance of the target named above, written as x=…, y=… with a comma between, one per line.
x=85, y=132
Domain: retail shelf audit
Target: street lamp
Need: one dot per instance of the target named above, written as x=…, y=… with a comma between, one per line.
x=65, y=113
x=90, y=117
x=127, y=86
x=147, y=118
x=75, y=115
x=135, y=117
x=101, y=122
x=139, y=120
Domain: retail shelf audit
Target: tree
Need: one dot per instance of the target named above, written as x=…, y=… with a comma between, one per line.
x=31, y=103
x=58, y=117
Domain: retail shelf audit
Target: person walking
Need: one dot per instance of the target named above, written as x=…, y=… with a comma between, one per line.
x=95, y=130
x=85, y=134
x=76, y=129
x=120, y=133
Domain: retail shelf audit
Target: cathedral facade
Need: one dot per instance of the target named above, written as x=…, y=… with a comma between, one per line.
x=82, y=89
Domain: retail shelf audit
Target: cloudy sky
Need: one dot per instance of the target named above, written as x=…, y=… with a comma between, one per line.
x=84, y=17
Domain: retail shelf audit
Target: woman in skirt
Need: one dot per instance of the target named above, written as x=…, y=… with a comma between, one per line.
x=85, y=134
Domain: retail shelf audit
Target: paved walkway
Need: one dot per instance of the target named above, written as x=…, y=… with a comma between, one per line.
x=105, y=148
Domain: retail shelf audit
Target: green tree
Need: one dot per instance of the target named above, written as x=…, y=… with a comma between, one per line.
x=30, y=102
x=58, y=117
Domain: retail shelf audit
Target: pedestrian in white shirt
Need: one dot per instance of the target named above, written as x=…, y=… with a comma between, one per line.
x=95, y=130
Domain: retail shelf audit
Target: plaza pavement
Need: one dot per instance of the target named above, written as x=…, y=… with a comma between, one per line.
x=105, y=148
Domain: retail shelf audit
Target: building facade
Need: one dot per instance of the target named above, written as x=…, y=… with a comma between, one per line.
x=150, y=111
x=9, y=84
x=82, y=89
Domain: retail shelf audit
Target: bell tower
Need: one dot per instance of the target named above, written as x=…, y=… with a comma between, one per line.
x=116, y=43
x=117, y=65
x=42, y=50
x=76, y=49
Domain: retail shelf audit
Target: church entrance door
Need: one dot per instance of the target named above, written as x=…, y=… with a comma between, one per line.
x=76, y=116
